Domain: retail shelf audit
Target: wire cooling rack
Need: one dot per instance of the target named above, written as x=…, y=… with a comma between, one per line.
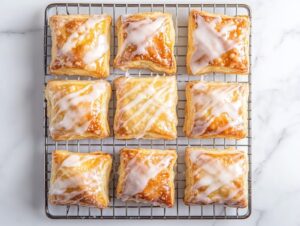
x=130, y=210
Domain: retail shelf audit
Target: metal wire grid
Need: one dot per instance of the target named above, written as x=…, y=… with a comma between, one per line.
x=130, y=210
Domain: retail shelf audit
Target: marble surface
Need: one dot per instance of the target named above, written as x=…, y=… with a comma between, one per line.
x=276, y=116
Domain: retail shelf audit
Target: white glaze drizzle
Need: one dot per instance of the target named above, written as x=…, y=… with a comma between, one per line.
x=140, y=33
x=139, y=171
x=216, y=175
x=225, y=31
x=93, y=51
x=96, y=50
x=69, y=178
x=75, y=160
x=147, y=99
x=72, y=118
x=216, y=101
x=209, y=43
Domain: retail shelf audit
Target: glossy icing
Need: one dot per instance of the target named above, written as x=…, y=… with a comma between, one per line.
x=83, y=45
x=70, y=183
x=97, y=50
x=216, y=180
x=209, y=43
x=212, y=103
x=139, y=171
x=76, y=160
x=140, y=33
x=147, y=102
x=146, y=40
x=218, y=41
x=73, y=110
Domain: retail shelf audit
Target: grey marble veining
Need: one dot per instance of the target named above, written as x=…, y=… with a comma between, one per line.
x=276, y=116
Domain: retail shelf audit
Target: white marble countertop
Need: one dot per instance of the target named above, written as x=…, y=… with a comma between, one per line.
x=276, y=116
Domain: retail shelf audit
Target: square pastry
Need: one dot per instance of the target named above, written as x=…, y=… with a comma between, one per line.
x=146, y=41
x=80, y=179
x=147, y=175
x=217, y=43
x=216, y=110
x=80, y=45
x=146, y=108
x=78, y=109
x=216, y=176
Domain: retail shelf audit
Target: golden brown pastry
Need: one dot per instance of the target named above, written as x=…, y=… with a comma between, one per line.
x=80, y=179
x=146, y=41
x=80, y=45
x=216, y=110
x=78, y=109
x=217, y=43
x=146, y=108
x=147, y=175
x=216, y=177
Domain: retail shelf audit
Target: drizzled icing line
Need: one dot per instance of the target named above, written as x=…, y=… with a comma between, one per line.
x=209, y=43
x=69, y=178
x=140, y=33
x=96, y=49
x=76, y=160
x=147, y=98
x=213, y=102
x=139, y=171
x=68, y=115
x=216, y=175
